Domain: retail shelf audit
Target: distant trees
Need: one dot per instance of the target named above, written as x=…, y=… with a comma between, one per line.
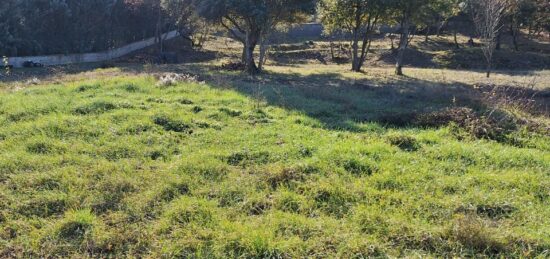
x=12, y=31
x=32, y=27
x=407, y=14
x=250, y=20
x=488, y=21
x=191, y=26
x=359, y=18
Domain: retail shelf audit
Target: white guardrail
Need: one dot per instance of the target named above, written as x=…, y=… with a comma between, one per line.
x=52, y=60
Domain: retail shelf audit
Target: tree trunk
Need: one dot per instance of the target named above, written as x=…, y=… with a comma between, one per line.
x=355, y=52
x=457, y=46
x=332, y=50
x=263, y=52
x=158, y=32
x=427, y=35
x=514, y=36
x=442, y=24
x=243, y=55
x=498, y=45
x=403, y=42
x=488, y=69
x=251, y=42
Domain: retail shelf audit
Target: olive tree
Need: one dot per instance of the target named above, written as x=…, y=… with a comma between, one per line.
x=406, y=14
x=250, y=20
x=191, y=27
x=359, y=18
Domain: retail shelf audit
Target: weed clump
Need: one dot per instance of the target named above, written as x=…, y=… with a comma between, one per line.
x=371, y=221
x=170, y=124
x=40, y=147
x=131, y=88
x=494, y=212
x=258, y=116
x=290, y=202
x=286, y=176
x=197, y=109
x=495, y=127
x=230, y=112
x=87, y=87
x=95, y=108
x=114, y=153
x=404, y=142
x=473, y=234
x=359, y=167
x=76, y=225
x=257, y=205
x=110, y=193
x=185, y=101
x=173, y=190
x=246, y=158
x=332, y=199
x=47, y=204
x=186, y=210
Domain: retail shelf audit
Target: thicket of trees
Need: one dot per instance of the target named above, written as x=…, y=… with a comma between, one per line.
x=31, y=27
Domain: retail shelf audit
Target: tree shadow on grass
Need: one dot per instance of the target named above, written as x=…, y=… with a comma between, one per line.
x=340, y=103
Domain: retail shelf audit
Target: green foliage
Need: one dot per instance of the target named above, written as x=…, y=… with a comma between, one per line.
x=250, y=22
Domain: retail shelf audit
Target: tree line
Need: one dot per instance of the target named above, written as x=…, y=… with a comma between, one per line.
x=30, y=27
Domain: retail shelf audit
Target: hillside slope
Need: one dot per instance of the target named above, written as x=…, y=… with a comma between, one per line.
x=290, y=166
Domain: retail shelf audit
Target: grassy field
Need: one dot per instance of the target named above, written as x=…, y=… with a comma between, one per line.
x=305, y=161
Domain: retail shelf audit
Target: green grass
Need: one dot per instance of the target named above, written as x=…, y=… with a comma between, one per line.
x=119, y=167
